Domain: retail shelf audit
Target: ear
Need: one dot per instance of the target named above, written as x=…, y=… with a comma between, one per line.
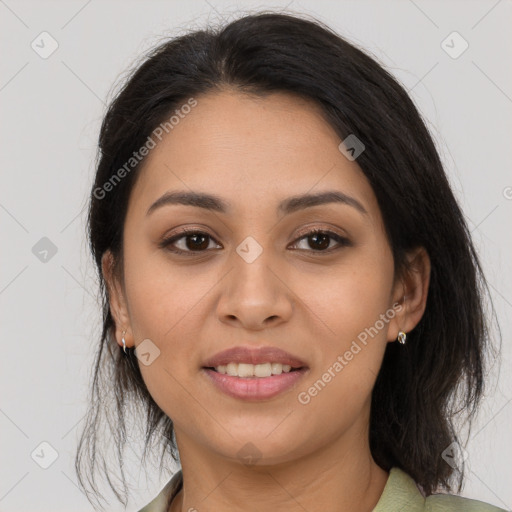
x=410, y=293
x=117, y=300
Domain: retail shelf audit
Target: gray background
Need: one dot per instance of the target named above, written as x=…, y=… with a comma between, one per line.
x=51, y=112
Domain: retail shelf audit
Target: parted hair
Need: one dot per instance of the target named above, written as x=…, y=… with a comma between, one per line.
x=425, y=388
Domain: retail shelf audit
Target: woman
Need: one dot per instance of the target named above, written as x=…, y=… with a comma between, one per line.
x=290, y=288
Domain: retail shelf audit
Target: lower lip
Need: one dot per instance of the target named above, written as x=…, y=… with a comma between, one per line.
x=254, y=388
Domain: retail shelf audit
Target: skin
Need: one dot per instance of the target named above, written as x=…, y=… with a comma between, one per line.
x=255, y=152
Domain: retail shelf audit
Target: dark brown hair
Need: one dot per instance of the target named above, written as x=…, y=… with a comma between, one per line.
x=424, y=388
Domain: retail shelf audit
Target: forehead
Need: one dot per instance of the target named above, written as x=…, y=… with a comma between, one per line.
x=253, y=150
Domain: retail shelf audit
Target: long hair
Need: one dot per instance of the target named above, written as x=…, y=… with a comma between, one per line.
x=424, y=386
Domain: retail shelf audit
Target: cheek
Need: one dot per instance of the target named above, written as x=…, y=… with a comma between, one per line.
x=159, y=295
x=165, y=306
x=162, y=310
x=349, y=298
x=353, y=338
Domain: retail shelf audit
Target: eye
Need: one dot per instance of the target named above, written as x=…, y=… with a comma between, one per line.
x=320, y=240
x=195, y=241
x=198, y=241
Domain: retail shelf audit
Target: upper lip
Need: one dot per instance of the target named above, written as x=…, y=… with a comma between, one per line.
x=252, y=355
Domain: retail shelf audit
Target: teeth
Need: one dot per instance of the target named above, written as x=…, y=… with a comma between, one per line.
x=253, y=370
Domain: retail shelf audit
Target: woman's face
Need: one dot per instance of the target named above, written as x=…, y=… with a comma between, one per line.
x=253, y=278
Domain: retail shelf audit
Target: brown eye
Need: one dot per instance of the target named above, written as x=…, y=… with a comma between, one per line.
x=197, y=242
x=319, y=240
x=194, y=241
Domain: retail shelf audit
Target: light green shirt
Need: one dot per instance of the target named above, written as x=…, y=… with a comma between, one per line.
x=401, y=494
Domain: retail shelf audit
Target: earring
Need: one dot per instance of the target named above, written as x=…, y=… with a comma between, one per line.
x=124, y=343
x=402, y=337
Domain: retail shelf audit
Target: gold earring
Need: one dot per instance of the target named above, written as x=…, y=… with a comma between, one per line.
x=402, y=337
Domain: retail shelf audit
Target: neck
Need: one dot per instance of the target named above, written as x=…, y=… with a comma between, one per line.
x=341, y=476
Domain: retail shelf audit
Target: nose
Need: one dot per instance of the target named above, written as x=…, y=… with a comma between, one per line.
x=255, y=295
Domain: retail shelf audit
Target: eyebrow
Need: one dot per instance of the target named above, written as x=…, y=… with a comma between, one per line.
x=290, y=205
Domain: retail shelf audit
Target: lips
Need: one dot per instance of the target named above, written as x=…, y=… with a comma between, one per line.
x=256, y=388
x=252, y=355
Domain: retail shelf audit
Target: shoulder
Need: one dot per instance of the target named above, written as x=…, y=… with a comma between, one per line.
x=162, y=502
x=451, y=502
x=402, y=493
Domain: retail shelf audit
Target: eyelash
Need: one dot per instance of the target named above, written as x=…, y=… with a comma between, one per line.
x=164, y=244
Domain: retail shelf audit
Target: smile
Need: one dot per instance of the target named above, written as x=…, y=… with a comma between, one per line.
x=251, y=387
